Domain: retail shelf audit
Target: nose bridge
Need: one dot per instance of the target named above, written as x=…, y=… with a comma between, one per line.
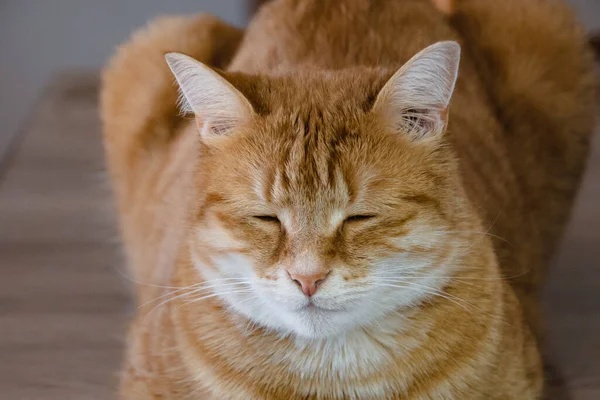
x=308, y=268
x=307, y=243
x=307, y=264
x=307, y=260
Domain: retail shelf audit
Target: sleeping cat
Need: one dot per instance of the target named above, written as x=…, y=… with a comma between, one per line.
x=336, y=215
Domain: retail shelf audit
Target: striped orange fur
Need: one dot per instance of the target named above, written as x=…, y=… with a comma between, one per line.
x=320, y=224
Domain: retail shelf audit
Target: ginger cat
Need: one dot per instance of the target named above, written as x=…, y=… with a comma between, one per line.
x=337, y=216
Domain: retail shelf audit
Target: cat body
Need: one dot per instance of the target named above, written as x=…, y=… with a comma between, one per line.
x=418, y=253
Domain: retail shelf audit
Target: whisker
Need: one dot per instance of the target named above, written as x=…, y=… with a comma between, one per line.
x=378, y=303
x=417, y=278
x=482, y=233
x=432, y=291
x=210, y=281
x=199, y=285
x=249, y=298
x=219, y=294
x=191, y=293
x=450, y=297
x=466, y=278
x=487, y=231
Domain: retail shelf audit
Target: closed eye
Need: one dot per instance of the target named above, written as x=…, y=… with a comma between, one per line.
x=267, y=218
x=359, y=218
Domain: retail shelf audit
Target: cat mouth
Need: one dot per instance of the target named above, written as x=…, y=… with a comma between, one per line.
x=312, y=307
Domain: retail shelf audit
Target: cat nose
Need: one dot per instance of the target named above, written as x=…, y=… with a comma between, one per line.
x=309, y=283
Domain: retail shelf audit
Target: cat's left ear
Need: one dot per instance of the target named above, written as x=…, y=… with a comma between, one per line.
x=415, y=100
x=219, y=107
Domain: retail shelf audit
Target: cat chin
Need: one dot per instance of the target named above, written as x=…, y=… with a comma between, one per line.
x=310, y=323
x=316, y=324
x=320, y=324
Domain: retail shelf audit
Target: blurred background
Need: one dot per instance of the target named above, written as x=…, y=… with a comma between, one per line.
x=63, y=297
x=41, y=38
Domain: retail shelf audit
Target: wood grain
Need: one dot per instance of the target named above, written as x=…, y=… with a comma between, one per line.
x=63, y=305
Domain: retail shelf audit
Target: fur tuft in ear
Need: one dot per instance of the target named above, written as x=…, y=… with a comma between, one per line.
x=415, y=99
x=219, y=107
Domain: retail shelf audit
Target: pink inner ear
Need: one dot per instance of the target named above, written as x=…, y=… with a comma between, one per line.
x=418, y=123
x=199, y=122
x=444, y=116
x=207, y=128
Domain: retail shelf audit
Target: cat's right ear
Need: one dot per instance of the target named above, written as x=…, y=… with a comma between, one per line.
x=415, y=100
x=219, y=107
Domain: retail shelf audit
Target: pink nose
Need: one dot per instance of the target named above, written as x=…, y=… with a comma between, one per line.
x=309, y=283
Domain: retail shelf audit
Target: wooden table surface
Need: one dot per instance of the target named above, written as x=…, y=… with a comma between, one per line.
x=64, y=301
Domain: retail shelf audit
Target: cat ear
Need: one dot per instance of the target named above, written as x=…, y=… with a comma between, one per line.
x=415, y=99
x=219, y=107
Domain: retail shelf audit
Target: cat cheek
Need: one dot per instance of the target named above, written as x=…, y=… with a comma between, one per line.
x=265, y=265
x=266, y=251
x=356, y=275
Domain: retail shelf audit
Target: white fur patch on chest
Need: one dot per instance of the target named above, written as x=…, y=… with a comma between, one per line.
x=352, y=357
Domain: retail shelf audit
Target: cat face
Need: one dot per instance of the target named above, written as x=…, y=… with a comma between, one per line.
x=321, y=215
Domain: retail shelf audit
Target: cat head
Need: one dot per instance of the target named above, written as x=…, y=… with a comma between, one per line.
x=326, y=200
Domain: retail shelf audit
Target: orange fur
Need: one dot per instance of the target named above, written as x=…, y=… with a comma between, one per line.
x=445, y=6
x=500, y=183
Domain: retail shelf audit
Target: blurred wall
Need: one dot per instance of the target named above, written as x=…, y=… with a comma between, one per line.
x=589, y=12
x=40, y=37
